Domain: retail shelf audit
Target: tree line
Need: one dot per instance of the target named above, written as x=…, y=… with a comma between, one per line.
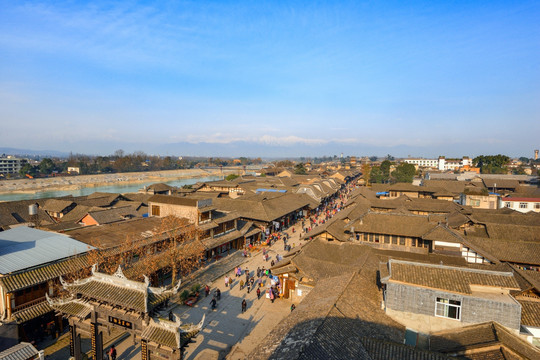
x=122, y=162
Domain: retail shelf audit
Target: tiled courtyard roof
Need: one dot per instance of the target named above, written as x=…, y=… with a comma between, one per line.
x=448, y=278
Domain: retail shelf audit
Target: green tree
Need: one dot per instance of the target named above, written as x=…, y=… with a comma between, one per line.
x=385, y=169
x=27, y=169
x=46, y=166
x=492, y=164
x=299, y=169
x=231, y=177
x=404, y=173
x=376, y=175
x=373, y=158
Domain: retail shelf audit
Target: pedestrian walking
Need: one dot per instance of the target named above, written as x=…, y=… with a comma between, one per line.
x=248, y=285
x=206, y=290
x=112, y=352
x=244, y=305
x=218, y=294
x=272, y=296
x=226, y=281
x=230, y=281
x=293, y=307
x=213, y=302
x=241, y=284
x=258, y=293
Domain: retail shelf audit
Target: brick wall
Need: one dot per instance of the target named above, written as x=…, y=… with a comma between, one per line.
x=417, y=300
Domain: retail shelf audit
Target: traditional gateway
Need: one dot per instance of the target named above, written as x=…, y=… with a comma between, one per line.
x=103, y=301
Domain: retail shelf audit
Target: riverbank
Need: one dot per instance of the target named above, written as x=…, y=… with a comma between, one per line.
x=68, y=183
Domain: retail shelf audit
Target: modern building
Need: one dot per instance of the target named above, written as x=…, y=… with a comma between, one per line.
x=11, y=165
x=521, y=204
x=441, y=163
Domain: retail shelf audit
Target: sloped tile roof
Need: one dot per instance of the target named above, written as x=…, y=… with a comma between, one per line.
x=482, y=336
x=129, y=298
x=31, y=312
x=56, y=205
x=449, y=278
x=161, y=336
x=514, y=251
x=41, y=274
x=393, y=224
x=530, y=313
x=75, y=308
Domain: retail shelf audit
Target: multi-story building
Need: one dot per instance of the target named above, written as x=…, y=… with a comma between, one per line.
x=521, y=204
x=11, y=165
x=441, y=163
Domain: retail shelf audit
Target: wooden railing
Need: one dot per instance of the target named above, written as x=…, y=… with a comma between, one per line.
x=29, y=304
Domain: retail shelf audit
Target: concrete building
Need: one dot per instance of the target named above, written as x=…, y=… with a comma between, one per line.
x=11, y=165
x=521, y=204
x=442, y=163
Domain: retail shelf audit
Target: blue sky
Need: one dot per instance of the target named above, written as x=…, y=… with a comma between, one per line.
x=298, y=77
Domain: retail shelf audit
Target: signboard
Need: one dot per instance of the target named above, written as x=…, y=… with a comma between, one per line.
x=71, y=341
x=93, y=337
x=120, y=322
x=144, y=350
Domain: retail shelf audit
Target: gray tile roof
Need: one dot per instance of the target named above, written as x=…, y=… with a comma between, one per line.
x=449, y=278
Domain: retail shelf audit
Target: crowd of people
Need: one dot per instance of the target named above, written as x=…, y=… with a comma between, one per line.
x=261, y=280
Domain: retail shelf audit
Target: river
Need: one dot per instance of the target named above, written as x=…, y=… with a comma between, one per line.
x=119, y=189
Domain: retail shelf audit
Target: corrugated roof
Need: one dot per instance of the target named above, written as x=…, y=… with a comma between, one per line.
x=22, y=351
x=24, y=247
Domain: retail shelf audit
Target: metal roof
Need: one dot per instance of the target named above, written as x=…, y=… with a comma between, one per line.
x=24, y=247
x=271, y=190
x=21, y=351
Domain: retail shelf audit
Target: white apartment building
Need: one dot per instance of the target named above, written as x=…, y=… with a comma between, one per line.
x=441, y=163
x=521, y=204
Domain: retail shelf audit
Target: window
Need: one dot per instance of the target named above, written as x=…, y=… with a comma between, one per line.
x=376, y=238
x=394, y=239
x=402, y=240
x=155, y=210
x=475, y=202
x=508, y=204
x=523, y=205
x=537, y=206
x=448, y=308
x=387, y=239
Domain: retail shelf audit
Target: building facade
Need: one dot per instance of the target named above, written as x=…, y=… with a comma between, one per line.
x=11, y=165
x=427, y=297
